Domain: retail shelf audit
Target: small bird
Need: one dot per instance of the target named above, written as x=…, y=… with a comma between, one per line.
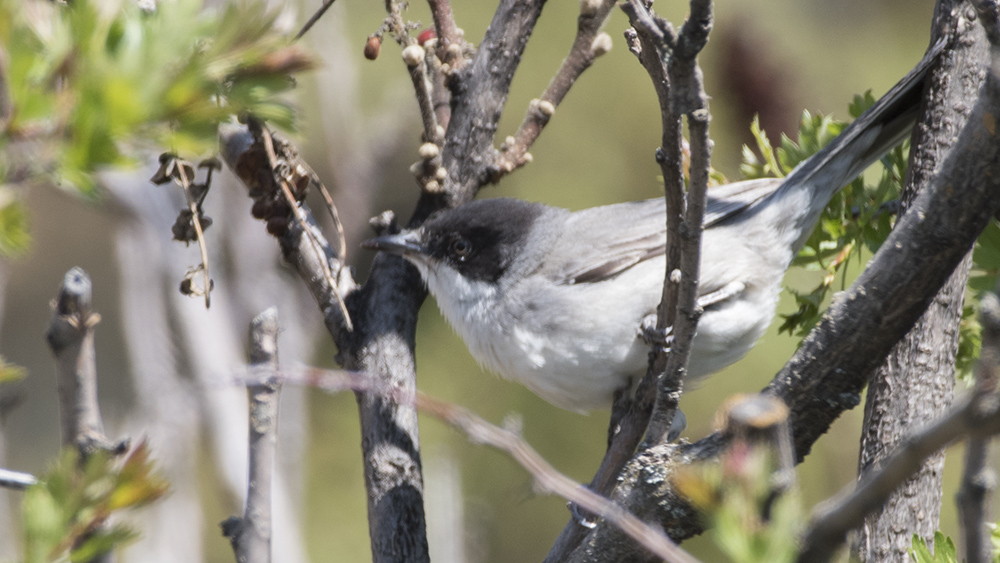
x=556, y=299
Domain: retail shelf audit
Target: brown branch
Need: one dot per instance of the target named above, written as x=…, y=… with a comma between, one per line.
x=444, y=25
x=977, y=416
x=589, y=44
x=315, y=18
x=251, y=535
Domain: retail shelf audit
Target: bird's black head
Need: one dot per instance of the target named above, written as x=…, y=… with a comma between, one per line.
x=481, y=239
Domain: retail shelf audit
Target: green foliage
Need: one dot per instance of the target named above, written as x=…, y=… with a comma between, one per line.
x=66, y=513
x=944, y=550
x=753, y=519
x=859, y=218
x=854, y=220
x=995, y=541
x=14, y=237
x=100, y=80
x=10, y=372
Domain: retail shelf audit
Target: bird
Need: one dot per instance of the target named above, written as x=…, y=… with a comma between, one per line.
x=557, y=299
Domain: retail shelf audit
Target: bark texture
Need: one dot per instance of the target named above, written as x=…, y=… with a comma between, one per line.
x=915, y=384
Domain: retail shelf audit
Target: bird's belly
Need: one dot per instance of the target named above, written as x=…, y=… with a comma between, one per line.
x=574, y=373
x=725, y=335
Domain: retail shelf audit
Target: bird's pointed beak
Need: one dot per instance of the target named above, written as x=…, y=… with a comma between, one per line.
x=403, y=244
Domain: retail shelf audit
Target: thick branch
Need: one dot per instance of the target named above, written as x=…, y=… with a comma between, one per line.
x=479, y=92
x=251, y=534
x=915, y=384
x=977, y=416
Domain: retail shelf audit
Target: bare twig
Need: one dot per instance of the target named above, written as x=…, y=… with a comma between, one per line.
x=193, y=207
x=16, y=480
x=589, y=44
x=315, y=18
x=71, y=338
x=652, y=41
x=263, y=136
x=977, y=416
x=687, y=98
x=251, y=534
x=547, y=478
x=444, y=24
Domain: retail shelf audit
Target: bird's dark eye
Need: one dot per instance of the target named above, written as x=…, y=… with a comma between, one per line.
x=461, y=247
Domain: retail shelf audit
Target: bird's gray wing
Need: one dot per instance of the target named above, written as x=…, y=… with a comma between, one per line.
x=600, y=242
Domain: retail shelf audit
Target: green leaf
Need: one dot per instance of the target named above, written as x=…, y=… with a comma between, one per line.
x=944, y=550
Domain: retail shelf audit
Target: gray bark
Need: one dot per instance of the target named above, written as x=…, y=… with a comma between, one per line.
x=915, y=384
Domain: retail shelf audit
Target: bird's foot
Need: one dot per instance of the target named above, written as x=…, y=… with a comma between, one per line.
x=662, y=338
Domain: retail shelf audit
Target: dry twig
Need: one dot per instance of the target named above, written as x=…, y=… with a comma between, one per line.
x=251, y=534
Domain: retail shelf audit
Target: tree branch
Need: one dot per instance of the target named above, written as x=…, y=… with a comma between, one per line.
x=977, y=416
x=915, y=385
x=827, y=374
x=508, y=440
x=16, y=480
x=251, y=534
x=71, y=338
x=589, y=44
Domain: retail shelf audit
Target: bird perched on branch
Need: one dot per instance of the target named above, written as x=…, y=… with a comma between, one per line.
x=555, y=299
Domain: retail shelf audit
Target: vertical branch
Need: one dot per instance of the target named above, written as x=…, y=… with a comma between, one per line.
x=71, y=338
x=915, y=383
x=251, y=534
x=689, y=99
x=973, y=498
x=670, y=62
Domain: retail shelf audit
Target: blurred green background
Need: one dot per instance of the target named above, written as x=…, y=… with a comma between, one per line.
x=774, y=57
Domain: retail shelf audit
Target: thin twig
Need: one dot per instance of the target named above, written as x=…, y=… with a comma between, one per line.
x=972, y=499
x=16, y=480
x=251, y=535
x=630, y=414
x=588, y=44
x=687, y=98
x=444, y=24
x=546, y=477
x=315, y=18
x=199, y=232
x=71, y=339
x=978, y=478
x=267, y=141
